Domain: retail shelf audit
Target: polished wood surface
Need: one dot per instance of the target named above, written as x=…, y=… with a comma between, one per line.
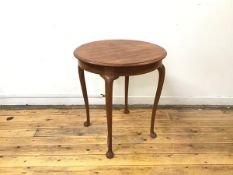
x=113, y=58
x=120, y=53
x=54, y=141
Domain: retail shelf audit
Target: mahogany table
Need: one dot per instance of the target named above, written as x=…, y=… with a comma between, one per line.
x=113, y=58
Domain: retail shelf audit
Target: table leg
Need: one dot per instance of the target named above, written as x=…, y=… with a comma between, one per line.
x=108, y=93
x=126, y=111
x=84, y=91
x=161, y=71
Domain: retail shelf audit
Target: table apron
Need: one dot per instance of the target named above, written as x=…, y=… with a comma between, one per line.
x=119, y=71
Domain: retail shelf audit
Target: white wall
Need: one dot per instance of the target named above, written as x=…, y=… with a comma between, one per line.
x=37, y=39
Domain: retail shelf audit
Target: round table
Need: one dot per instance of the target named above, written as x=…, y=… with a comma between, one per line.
x=113, y=58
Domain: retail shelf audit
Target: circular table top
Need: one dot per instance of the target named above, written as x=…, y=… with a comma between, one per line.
x=120, y=53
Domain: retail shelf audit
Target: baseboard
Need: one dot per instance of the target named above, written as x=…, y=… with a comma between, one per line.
x=98, y=100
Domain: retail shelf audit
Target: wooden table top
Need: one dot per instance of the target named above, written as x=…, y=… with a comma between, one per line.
x=120, y=53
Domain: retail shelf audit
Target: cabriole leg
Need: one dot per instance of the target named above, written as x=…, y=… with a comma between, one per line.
x=84, y=91
x=126, y=111
x=161, y=71
x=108, y=97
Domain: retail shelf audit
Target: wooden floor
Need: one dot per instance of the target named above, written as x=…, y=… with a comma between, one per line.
x=54, y=141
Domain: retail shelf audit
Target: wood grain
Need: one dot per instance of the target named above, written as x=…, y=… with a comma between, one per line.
x=119, y=170
x=56, y=142
x=120, y=53
x=124, y=148
x=126, y=160
x=69, y=123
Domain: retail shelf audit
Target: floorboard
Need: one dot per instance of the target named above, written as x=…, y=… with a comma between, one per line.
x=54, y=141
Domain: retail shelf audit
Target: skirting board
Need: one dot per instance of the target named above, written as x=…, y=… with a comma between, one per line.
x=96, y=100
